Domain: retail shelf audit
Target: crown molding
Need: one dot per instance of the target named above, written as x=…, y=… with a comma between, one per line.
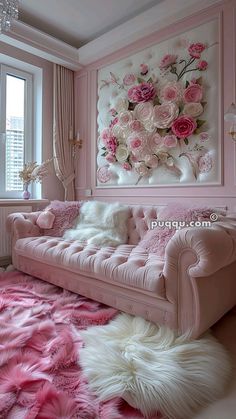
x=38, y=43
x=153, y=19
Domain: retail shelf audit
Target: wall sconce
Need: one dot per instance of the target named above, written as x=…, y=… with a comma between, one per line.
x=75, y=142
x=230, y=116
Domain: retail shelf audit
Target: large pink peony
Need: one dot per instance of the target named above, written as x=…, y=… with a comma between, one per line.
x=167, y=61
x=142, y=92
x=171, y=92
x=195, y=50
x=164, y=114
x=183, y=126
x=193, y=93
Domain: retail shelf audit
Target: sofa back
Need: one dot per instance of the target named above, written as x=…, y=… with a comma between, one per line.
x=139, y=221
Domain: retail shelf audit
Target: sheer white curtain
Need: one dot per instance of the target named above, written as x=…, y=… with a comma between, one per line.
x=63, y=122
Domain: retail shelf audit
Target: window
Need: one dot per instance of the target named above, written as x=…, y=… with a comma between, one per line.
x=16, y=130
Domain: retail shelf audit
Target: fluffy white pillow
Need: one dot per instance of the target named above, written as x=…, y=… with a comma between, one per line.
x=101, y=223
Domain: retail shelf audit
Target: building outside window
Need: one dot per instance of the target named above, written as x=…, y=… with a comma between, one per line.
x=16, y=128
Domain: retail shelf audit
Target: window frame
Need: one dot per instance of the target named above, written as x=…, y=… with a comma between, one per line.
x=28, y=123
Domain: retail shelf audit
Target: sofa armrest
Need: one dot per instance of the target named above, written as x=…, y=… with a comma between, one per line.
x=23, y=224
x=214, y=248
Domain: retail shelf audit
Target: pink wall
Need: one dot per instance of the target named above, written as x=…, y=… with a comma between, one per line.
x=52, y=188
x=86, y=97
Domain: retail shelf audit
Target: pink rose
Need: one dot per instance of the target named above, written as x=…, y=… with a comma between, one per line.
x=135, y=125
x=195, y=50
x=151, y=161
x=144, y=111
x=155, y=142
x=202, y=65
x=193, y=109
x=171, y=92
x=110, y=158
x=143, y=69
x=193, y=93
x=183, y=126
x=165, y=114
x=125, y=118
x=170, y=141
x=205, y=163
x=129, y=79
x=104, y=174
x=106, y=133
x=126, y=166
x=142, y=92
x=167, y=61
x=135, y=143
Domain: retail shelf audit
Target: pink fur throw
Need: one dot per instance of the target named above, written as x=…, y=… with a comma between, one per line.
x=155, y=240
x=65, y=214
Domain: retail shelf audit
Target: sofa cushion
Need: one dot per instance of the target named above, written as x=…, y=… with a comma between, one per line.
x=155, y=240
x=65, y=214
x=121, y=265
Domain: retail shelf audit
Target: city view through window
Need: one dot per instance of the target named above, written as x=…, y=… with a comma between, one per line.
x=15, y=100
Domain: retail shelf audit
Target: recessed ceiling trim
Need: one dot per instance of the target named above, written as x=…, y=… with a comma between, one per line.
x=155, y=18
x=38, y=43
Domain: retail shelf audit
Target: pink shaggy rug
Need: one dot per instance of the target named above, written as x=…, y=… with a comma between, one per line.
x=40, y=376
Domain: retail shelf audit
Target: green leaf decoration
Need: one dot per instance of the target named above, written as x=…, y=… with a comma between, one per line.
x=187, y=84
x=103, y=148
x=200, y=122
x=156, y=101
x=104, y=154
x=140, y=80
x=150, y=80
x=186, y=141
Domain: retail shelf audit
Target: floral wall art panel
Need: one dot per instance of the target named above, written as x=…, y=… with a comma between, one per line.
x=158, y=114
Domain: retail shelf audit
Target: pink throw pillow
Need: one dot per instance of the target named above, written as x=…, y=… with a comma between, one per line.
x=45, y=219
x=155, y=240
x=65, y=214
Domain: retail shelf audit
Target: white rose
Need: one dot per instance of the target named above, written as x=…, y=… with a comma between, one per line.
x=125, y=118
x=118, y=131
x=121, y=105
x=144, y=111
x=193, y=109
x=141, y=168
x=122, y=153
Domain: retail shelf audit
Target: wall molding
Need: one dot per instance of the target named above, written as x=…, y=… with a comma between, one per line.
x=31, y=40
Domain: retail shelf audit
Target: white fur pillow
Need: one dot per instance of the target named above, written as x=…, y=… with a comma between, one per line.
x=101, y=223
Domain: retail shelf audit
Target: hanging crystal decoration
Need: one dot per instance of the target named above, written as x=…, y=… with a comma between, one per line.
x=8, y=12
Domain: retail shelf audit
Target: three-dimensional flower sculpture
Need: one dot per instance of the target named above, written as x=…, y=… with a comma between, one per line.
x=154, y=117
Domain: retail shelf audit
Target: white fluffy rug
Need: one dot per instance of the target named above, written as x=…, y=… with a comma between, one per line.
x=152, y=369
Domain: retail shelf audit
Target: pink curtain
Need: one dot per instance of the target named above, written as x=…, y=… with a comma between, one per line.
x=63, y=122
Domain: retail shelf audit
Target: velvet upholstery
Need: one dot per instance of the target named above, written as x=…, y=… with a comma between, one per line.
x=189, y=290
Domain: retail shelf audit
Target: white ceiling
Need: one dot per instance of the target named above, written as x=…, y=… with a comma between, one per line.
x=77, y=22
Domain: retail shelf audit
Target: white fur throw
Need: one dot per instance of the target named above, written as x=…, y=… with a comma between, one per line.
x=101, y=223
x=153, y=369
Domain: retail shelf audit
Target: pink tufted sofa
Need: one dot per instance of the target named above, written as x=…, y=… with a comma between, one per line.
x=190, y=290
